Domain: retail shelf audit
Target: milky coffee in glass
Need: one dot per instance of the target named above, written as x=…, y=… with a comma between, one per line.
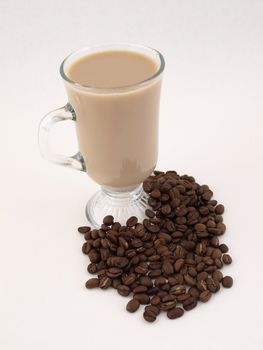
x=113, y=98
x=117, y=131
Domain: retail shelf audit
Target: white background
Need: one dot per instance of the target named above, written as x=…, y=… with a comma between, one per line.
x=211, y=127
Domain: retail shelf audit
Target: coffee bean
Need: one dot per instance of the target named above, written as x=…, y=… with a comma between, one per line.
x=175, y=248
x=205, y=296
x=217, y=275
x=189, y=303
x=133, y=305
x=129, y=279
x=178, y=265
x=105, y=282
x=149, y=213
x=227, y=282
x=178, y=289
x=92, y=268
x=194, y=292
x=213, y=285
x=216, y=254
x=123, y=290
x=167, y=305
x=227, y=259
x=189, y=280
x=224, y=248
x=93, y=256
x=155, y=300
x=201, y=285
x=176, y=312
x=143, y=298
x=83, y=229
x=168, y=268
x=92, y=283
x=202, y=276
x=200, y=227
x=140, y=289
x=149, y=316
x=108, y=220
x=219, y=209
x=115, y=283
x=146, y=281
x=182, y=297
x=215, y=242
x=153, y=309
x=132, y=221
x=160, y=281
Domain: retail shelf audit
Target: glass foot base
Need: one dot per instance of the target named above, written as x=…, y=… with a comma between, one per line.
x=121, y=205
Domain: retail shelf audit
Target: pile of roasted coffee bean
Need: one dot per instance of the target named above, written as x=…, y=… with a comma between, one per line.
x=172, y=259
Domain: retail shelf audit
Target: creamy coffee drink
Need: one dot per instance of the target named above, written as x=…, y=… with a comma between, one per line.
x=116, y=115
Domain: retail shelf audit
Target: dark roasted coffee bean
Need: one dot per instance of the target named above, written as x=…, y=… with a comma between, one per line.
x=83, y=229
x=153, y=309
x=149, y=213
x=192, y=271
x=140, y=289
x=227, y=282
x=194, y=292
x=214, y=242
x=218, y=263
x=178, y=289
x=160, y=281
x=227, y=259
x=216, y=254
x=132, y=221
x=155, y=300
x=212, y=284
x=108, y=220
x=224, y=248
x=116, y=261
x=178, y=265
x=202, y=276
x=133, y=305
x=167, y=305
x=146, y=281
x=92, y=283
x=182, y=297
x=219, y=209
x=143, y=298
x=155, y=273
x=149, y=316
x=189, y=303
x=114, y=272
x=189, y=280
x=94, y=256
x=168, y=268
x=200, y=267
x=153, y=290
x=129, y=279
x=123, y=290
x=92, y=268
x=178, y=279
x=116, y=282
x=205, y=296
x=105, y=282
x=86, y=248
x=161, y=293
x=217, y=275
x=201, y=285
x=176, y=312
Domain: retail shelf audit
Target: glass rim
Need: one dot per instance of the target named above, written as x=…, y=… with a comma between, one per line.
x=108, y=46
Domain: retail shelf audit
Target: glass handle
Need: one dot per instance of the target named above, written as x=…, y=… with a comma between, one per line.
x=65, y=113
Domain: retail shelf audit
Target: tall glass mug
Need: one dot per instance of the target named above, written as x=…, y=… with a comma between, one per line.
x=117, y=132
